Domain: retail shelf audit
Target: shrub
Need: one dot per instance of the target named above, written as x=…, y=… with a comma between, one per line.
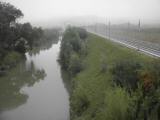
x=125, y=74
x=155, y=71
x=65, y=54
x=79, y=104
x=75, y=65
x=12, y=58
x=117, y=102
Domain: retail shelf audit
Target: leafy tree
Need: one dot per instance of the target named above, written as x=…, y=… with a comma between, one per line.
x=20, y=45
x=82, y=33
x=8, y=16
x=8, y=13
x=14, y=37
x=26, y=32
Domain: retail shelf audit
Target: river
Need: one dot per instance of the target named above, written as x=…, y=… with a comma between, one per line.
x=34, y=89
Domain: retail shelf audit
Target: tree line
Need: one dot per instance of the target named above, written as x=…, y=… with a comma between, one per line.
x=73, y=48
x=17, y=38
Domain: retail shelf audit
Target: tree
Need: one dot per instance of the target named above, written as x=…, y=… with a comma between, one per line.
x=20, y=45
x=26, y=32
x=75, y=65
x=8, y=16
x=82, y=33
x=9, y=13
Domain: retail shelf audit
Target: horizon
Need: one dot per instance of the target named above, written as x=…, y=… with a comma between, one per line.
x=41, y=12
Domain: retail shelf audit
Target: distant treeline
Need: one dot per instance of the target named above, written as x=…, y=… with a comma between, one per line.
x=51, y=36
x=17, y=38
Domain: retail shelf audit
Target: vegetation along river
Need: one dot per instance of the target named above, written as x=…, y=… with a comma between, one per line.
x=34, y=89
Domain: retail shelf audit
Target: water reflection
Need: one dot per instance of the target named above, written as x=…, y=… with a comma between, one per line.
x=24, y=74
x=66, y=80
x=43, y=46
x=46, y=100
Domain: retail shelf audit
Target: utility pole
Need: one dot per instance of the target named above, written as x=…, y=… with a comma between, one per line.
x=1, y=26
x=139, y=29
x=106, y=27
x=88, y=26
x=139, y=26
x=128, y=25
x=96, y=27
x=109, y=25
x=128, y=29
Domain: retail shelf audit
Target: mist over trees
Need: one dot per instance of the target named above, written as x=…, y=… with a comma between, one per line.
x=15, y=38
x=73, y=49
x=14, y=34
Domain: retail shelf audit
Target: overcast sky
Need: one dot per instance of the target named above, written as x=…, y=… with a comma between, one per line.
x=43, y=10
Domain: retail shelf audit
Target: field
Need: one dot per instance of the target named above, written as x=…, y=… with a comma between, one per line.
x=129, y=32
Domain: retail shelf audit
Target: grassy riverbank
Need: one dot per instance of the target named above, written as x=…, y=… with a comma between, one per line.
x=95, y=86
x=115, y=83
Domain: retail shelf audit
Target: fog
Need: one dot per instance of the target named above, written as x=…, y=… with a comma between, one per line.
x=61, y=11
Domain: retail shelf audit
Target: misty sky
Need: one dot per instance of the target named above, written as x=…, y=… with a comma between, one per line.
x=43, y=10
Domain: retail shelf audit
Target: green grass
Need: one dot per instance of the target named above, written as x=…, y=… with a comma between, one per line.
x=92, y=86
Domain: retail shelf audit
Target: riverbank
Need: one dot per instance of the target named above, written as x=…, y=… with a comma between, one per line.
x=115, y=83
x=33, y=89
x=10, y=58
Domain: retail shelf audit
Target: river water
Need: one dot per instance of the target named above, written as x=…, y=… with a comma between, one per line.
x=34, y=89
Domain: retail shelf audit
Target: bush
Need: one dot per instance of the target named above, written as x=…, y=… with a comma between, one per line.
x=117, y=102
x=79, y=103
x=12, y=58
x=147, y=103
x=125, y=74
x=75, y=65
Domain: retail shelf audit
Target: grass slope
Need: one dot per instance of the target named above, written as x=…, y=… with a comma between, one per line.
x=93, y=90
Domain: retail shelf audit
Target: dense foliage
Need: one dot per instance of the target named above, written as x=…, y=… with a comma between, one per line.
x=116, y=82
x=15, y=38
x=72, y=49
x=125, y=74
x=12, y=34
x=142, y=83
